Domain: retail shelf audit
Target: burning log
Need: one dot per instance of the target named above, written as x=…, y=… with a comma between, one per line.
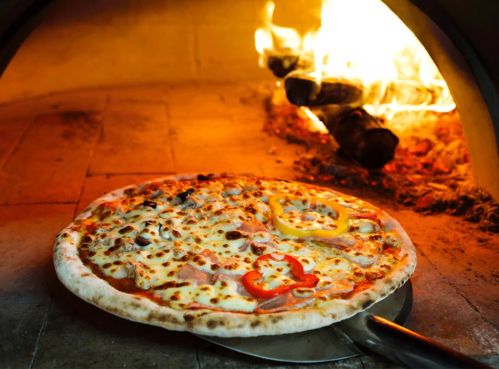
x=360, y=136
x=281, y=65
x=303, y=90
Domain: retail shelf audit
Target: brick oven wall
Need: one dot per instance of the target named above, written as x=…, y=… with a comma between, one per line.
x=108, y=43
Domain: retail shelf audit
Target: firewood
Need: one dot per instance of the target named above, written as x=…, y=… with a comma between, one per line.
x=361, y=136
x=281, y=65
x=303, y=90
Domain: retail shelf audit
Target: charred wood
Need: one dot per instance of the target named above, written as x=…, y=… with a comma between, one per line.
x=361, y=136
x=281, y=65
x=303, y=90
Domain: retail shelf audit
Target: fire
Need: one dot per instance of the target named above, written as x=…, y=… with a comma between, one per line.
x=315, y=124
x=362, y=42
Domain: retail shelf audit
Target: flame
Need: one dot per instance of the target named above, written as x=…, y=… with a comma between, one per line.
x=363, y=42
x=316, y=125
x=275, y=40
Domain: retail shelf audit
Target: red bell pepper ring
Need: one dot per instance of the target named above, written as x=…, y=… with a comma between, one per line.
x=305, y=280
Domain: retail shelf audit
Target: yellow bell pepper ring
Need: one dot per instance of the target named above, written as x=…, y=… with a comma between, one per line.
x=284, y=227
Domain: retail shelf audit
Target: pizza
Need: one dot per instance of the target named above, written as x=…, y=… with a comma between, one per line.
x=233, y=255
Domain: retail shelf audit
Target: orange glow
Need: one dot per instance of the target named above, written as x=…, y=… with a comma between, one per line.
x=315, y=124
x=364, y=43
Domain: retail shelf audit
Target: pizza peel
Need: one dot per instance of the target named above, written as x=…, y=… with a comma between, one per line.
x=379, y=329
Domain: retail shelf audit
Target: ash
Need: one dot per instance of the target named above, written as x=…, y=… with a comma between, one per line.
x=431, y=170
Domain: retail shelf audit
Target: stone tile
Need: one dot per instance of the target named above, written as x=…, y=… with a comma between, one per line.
x=445, y=241
x=485, y=299
x=135, y=139
x=216, y=159
x=212, y=356
x=90, y=55
x=208, y=101
x=97, y=186
x=219, y=100
x=27, y=236
x=248, y=101
x=234, y=47
x=302, y=15
x=70, y=101
x=443, y=315
x=281, y=164
x=191, y=133
x=216, y=145
x=50, y=163
x=11, y=131
x=105, y=13
x=199, y=12
x=79, y=335
x=140, y=94
x=20, y=326
x=231, y=71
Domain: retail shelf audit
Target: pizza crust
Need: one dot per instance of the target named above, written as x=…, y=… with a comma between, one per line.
x=82, y=282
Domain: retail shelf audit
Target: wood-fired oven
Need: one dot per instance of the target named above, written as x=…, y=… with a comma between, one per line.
x=98, y=95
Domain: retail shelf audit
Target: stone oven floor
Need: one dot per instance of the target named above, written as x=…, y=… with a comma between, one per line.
x=58, y=153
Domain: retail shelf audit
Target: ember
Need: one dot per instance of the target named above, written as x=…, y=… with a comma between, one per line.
x=430, y=172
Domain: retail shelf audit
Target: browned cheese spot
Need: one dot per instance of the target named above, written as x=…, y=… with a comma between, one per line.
x=127, y=229
x=233, y=235
x=257, y=250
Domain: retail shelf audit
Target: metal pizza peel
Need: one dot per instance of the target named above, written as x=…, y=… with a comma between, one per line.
x=379, y=329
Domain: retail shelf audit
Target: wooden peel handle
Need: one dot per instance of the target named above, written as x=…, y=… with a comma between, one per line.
x=415, y=350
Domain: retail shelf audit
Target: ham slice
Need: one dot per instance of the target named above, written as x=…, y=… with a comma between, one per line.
x=283, y=302
x=336, y=287
x=252, y=226
x=336, y=242
x=210, y=255
x=236, y=279
x=194, y=275
x=198, y=306
x=258, y=248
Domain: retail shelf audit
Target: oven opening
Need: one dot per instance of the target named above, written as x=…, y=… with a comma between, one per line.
x=102, y=95
x=361, y=92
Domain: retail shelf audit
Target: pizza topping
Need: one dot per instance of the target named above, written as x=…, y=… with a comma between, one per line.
x=283, y=302
x=184, y=195
x=141, y=241
x=252, y=286
x=150, y=204
x=198, y=277
x=323, y=229
x=245, y=245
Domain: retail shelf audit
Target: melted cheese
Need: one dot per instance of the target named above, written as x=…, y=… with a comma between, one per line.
x=191, y=242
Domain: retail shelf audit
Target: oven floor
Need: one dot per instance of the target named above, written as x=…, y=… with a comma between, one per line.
x=58, y=153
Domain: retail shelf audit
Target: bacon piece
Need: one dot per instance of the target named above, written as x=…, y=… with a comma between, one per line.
x=252, y=226
x=194, y=275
